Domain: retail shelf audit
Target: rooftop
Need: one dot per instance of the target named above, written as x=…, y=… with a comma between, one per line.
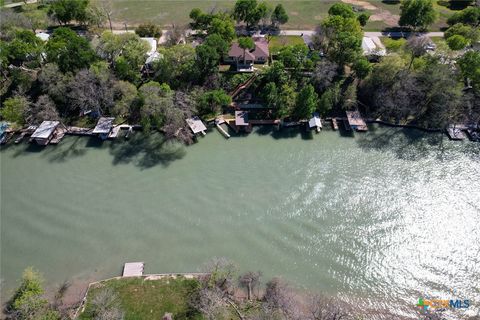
x=45, y=129
x=104, y=125
x=153, y=45
x=196, y=124
x=315, y=121
x=241, y=118
x=261, y=50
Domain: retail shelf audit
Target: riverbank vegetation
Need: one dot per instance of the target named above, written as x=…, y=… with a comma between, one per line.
x=84, y=71
x=219, y=292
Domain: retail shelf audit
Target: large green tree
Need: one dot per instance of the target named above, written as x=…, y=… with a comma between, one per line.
x=417, y=14
x=69, y=50
x=24, y=47
x=341, y=39
x=211, y=102
x=307, y=102
x=470, y=66
x=65, y=11
x=279, y=15
x=246, y=10
x=14, y=109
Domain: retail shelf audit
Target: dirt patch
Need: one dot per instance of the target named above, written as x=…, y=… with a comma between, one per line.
x=386, y=16
x=363, y=4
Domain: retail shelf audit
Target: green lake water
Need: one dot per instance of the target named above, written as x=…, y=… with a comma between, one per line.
x=383, y=217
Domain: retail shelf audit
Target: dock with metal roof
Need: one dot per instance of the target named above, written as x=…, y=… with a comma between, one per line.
x=356, y=121
x=196, y=125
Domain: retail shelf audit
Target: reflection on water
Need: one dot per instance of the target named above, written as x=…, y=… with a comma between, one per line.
x=384, y=217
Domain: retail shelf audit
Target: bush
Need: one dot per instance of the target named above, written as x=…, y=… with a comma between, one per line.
x=148, y=30
x=394, y=45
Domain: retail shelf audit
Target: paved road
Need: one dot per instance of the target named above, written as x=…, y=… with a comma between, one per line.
x=18, y=4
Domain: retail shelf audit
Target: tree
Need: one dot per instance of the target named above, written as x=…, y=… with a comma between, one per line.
x=125, y=97
x=42, y=110
x=417, y=45
x=307, y=102
x=24, y=47
x=218, y=43
x=178, y=67
x=470, y=16
x=341, y=9
x=417, y=14
x=69, y=50
x=250, y=280
x=133, y=55
x=55, y=83
x=264, y=12
x=92, y=92
x=246, y=43
x=65, y=11
x=294, y=56
x=222, y=25
x=148, y=29
x=106, y=305
x=279, y=15
x=363, y=18
x=324, y=75
x=469, y=33
x=362, y=67
x=156, y=99
x=341, y=39
x=280, y=300
x=470, y=67
x=211, y=102
x=457, y=42
x=208, y=60
x=14, y=109
x=245, y=10
x=28, y=301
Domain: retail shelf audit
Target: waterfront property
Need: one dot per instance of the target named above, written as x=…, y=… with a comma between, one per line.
x=45, y=132
x=104, y=127
x=315, y=123
x=355, y=121
x=196, y=125
x=244, y=60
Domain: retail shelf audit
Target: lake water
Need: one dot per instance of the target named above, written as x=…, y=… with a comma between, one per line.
x=384, y=217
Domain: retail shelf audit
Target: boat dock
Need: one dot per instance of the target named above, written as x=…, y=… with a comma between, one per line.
x=355, y=121
x=334, y=124
x=133, y=269
x=455, y=133
x=218, y=122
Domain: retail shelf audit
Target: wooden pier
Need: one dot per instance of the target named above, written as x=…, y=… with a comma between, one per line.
x=218, y=123
x=133, y=269
x=334, y=124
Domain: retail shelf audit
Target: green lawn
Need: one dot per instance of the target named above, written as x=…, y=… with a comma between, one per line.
x=149, y=299
x=303, y=14
x=277, y=42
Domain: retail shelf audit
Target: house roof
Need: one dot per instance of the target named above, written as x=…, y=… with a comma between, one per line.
x=315, y=121
x=43, y=36
x=241, y=118
x=45, y=129
x=153, y=45
x=104, y=125
x=261, y=50
x=196, y=124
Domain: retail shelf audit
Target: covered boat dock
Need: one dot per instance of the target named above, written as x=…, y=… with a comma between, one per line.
x=104, y=127
x=356, y=121
x=45, y=132
x=315, y=123
x=196, y=125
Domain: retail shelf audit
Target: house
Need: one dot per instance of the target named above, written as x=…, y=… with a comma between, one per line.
x=372, y=46
x=104, y=127
x=152, y=54
x=196, y=125
x=258, y=55
x=45, y=132
x=315, y=123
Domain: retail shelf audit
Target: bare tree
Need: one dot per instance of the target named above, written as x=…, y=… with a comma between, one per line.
x=323, y=308
x=250, y=280
x=324, y=74
x=106, y=305
x=210, y=302
x=417, y=46
x=221, y=274
x=175, y=35
x=280, y=299
x=43, y=109
x=107, y=7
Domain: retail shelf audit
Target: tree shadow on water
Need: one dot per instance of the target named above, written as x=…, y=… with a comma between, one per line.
x=61, y=153
x=146, y=151
x=406, y=144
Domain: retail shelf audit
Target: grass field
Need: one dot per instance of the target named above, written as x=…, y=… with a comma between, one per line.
x=277, y=42
x=303, y=14
x=149, y=299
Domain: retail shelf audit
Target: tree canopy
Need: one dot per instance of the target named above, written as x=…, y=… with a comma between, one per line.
x=417, y=14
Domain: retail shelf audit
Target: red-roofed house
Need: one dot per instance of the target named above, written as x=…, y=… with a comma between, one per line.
x=258, y=55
